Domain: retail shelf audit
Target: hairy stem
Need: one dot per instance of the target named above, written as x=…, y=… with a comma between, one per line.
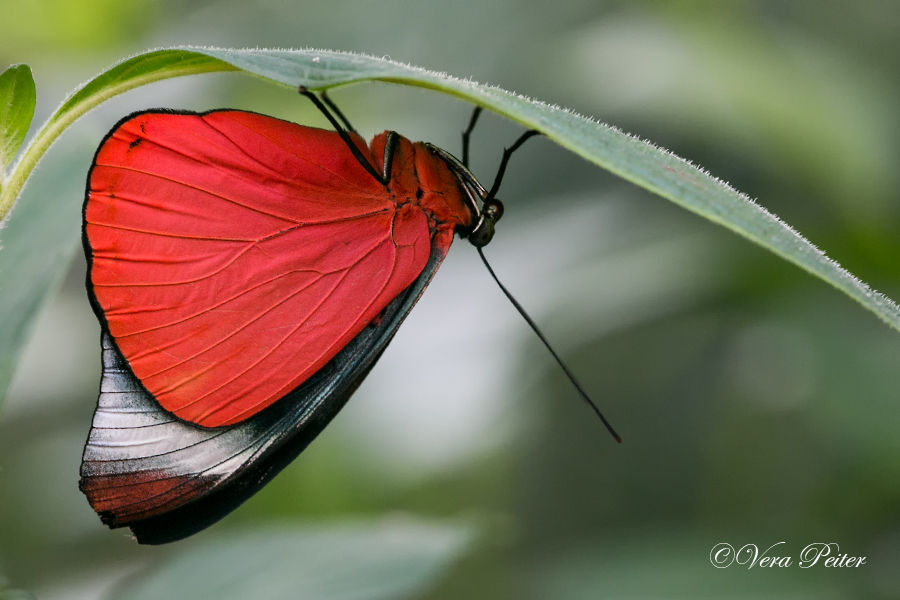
x=68, y=114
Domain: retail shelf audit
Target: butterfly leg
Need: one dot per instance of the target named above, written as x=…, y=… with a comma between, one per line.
x=491, y=207
x=465, y=136
x=345, y=136
x=507, y=152
x=390, y=147
x=328, y=102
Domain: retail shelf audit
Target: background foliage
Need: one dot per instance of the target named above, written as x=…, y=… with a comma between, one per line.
x=757, y=404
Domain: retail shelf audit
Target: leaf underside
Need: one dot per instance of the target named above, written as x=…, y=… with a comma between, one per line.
x=390, y=558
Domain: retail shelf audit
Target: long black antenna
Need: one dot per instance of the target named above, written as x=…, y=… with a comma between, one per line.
x=550, y=348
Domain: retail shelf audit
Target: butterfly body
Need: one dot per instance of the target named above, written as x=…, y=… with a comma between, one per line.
x=247, y=273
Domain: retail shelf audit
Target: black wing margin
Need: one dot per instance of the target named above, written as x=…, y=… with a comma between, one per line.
x=167, y=479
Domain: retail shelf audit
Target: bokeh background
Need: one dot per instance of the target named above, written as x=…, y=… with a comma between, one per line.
x=757, y=404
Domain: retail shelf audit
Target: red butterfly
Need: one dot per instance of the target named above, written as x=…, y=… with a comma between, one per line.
x=247, y=273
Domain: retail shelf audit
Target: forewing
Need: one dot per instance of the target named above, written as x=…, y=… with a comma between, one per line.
x=167, y=479
x=227, y=245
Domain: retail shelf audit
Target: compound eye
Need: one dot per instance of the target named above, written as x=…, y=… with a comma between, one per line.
x=493, y=210
x=483, y=232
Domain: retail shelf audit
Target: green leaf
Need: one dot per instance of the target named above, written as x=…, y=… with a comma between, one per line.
x=15, y=595
x=129, y=74
x=387, y=559
x=635, y=160
x=10, y=594
x=17, y=98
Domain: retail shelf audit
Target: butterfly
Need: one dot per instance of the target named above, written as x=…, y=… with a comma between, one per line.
x=247, y=273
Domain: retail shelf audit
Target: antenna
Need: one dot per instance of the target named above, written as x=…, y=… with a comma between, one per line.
x=550, y=348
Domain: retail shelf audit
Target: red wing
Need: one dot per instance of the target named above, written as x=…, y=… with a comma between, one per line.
x=233, y=255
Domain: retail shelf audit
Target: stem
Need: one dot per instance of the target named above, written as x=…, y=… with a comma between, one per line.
x=12, y=186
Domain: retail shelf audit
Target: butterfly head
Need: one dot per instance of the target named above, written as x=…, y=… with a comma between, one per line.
x=483, y=232
x=485, y=210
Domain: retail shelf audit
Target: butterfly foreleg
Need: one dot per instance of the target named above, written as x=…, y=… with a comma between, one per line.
x=467, y=133
x=383, y=180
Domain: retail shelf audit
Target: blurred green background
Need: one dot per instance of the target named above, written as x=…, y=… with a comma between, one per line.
x=757, y=404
